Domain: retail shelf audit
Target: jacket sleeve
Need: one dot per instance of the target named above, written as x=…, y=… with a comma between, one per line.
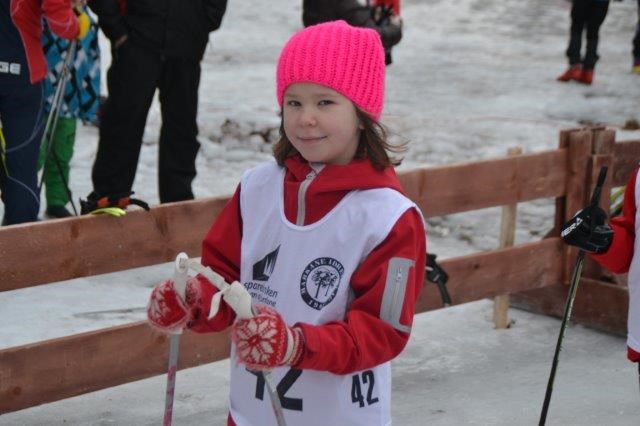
x=618, y=258
x=61, y=19
x=214, y=11
x=368, y=336
x=110, y=18
x=221, y=252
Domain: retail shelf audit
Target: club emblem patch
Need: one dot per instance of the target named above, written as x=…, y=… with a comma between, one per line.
x=320, y=281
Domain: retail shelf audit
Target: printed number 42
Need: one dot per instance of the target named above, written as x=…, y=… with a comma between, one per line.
x=356, y=388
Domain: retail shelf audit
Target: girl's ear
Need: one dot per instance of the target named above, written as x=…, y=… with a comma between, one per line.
x=360, y=125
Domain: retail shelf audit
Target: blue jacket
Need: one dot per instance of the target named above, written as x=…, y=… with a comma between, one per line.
x=82, y=93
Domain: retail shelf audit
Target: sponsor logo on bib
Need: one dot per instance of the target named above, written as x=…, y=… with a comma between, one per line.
x=320, y=281
x=263, y=269
x=259, y=289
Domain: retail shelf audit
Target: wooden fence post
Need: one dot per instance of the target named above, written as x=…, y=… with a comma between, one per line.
x=579, y=145
x=507, y=237
x=602, y=150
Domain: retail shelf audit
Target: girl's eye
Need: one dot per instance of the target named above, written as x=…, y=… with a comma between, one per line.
x=293, y=103
x=325, y=102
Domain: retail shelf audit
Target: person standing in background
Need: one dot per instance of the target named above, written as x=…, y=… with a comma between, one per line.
x=586, y=15
x=81, y=99
x=156, y=44
x=22, y=71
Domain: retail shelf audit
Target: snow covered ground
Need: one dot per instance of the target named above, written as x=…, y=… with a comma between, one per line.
x=456, y=370
x=471, y=78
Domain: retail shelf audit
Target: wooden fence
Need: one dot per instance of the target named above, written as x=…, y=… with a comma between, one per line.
x=51, y=251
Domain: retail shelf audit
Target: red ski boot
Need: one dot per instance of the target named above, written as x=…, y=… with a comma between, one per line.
x=586, y=77
x=572, y=73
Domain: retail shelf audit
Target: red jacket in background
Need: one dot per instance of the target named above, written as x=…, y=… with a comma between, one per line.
x=27, y=15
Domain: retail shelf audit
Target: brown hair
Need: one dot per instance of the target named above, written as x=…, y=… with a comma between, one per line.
x=372, y=144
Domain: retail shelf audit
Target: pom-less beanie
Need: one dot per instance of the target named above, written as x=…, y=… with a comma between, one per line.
x=349, y=60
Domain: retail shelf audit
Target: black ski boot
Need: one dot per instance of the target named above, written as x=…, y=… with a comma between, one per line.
x=97, y=203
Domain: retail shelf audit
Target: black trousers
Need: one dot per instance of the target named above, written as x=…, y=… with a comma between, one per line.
x=586, y=15
x=132, y=80
x=636, y=38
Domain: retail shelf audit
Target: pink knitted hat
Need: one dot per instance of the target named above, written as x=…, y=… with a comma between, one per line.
x=347, y=59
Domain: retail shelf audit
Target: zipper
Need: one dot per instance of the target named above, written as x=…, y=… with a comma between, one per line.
x=302, y=192
x=396, y=289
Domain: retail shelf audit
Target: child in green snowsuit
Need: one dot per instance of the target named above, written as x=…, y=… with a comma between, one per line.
x=81, y=100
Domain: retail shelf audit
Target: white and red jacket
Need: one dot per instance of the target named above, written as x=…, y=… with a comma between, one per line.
x=364, y=337
x=624, y=256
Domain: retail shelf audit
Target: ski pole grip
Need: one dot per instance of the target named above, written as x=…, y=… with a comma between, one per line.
x=180, y=270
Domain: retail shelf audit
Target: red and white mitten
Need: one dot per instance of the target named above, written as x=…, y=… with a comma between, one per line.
x=266, y=341
x=168, y=311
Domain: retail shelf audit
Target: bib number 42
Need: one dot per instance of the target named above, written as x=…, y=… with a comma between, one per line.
x=363, y=380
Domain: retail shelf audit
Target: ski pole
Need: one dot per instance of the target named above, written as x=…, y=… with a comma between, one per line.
x=237, y=297
x=58, y=96
x=179, y=285
x=54, y=115
x=575, y=279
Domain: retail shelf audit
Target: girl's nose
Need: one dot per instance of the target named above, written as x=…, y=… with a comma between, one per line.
x=307, y=118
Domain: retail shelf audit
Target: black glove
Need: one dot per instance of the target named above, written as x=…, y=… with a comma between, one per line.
x=588, y=230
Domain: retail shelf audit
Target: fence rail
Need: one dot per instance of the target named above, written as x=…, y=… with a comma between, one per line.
x=60, y=368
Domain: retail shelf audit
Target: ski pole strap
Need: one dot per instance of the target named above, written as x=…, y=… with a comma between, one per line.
x=438, y=276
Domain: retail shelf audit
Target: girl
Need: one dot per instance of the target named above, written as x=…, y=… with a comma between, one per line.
x=328, y=247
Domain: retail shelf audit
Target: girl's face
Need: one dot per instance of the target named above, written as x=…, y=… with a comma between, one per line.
x=320, y=123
